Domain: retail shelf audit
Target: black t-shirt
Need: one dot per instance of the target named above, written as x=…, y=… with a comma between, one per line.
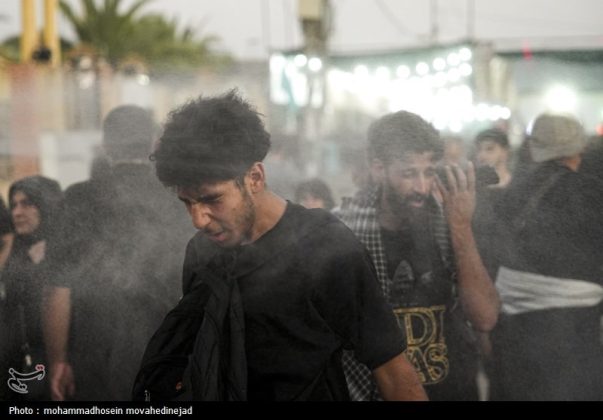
x=422, y=298
x=486, y=228
x=415, y=267
x=309, y=289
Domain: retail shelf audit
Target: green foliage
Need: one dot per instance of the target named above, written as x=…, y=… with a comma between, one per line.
x=9, y=49
x=103, y=27
x=124, y=36
x=168, y=49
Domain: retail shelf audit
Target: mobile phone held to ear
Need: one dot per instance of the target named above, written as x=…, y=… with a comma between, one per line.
x=484, y=176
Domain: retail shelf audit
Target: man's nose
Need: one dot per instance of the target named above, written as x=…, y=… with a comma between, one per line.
x=422, y=185
x=17, y=210
x=199, y=215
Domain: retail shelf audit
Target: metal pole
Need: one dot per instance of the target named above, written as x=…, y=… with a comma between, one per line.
x=51, y=35
x=314, y=16
x=28, y=34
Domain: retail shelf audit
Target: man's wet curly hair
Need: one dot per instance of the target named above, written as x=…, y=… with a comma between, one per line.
x=395, y=135
x=210, y=139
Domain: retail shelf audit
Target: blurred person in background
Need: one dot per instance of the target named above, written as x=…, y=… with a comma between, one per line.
x=523, y=163
x=314, y=194
x=34, y=208
x=454, y=151
x=281, y=167
x=547, y=344
x=490, y=235
x=592, y=158
x=356, y=161
x=116, y=268
x=427, y=262
x=493, y=150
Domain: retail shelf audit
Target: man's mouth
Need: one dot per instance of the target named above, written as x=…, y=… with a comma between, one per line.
x=216, y=237
x=417, y=201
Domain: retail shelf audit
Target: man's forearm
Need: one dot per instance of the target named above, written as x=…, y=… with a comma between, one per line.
x=398, y=380
x=476, y=290
x=55, y=321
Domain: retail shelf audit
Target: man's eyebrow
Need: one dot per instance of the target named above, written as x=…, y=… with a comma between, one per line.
x=201, y=198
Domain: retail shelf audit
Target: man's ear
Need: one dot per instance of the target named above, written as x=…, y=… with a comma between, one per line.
x=256, y=177
x=377, y=169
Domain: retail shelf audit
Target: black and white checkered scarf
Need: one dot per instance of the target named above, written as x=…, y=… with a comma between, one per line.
x=360, y=215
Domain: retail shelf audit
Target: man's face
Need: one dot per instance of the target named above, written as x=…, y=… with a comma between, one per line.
x=453, y=153
x=491, y=154
x=408, y=182
x=25, y=215
x=223, y=211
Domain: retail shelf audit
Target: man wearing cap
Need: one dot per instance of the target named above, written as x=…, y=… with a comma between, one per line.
x=547, y=343
x=493, y=150
x=115, y=270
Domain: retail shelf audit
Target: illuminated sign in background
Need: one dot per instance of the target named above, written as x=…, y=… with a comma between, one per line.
x=436, y=84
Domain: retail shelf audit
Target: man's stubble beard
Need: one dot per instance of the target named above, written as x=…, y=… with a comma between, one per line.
x=401, y=206
x=248, y=217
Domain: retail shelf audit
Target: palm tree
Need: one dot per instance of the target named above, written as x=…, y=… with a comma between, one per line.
x=166, y=48
x=9, y=49
x=122, y=37
x=103, y=27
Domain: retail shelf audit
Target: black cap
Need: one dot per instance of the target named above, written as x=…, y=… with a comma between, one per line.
x=495, y=135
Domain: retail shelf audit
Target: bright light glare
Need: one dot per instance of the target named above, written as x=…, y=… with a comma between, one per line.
x=505, y=113
x=439, y=124
x=403, y=72
x=382, y=73
x=493, y=113
x=143, y=79
x=315, y=64
x=454, y=59
x=456, y=126
x=465, y=69
x=422, y=69
x=300, y=60
x=481, y=112
x=465, y=54
x=561, y=99
x=439, y=64
x=277, y=62
x=361, y=70
x=440, y=79
x=454, y=75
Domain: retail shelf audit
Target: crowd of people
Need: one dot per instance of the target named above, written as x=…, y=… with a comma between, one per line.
x=445, y=265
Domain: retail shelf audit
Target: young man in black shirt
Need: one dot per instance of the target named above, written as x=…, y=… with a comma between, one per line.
x=282, y=289
x=427, y=262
